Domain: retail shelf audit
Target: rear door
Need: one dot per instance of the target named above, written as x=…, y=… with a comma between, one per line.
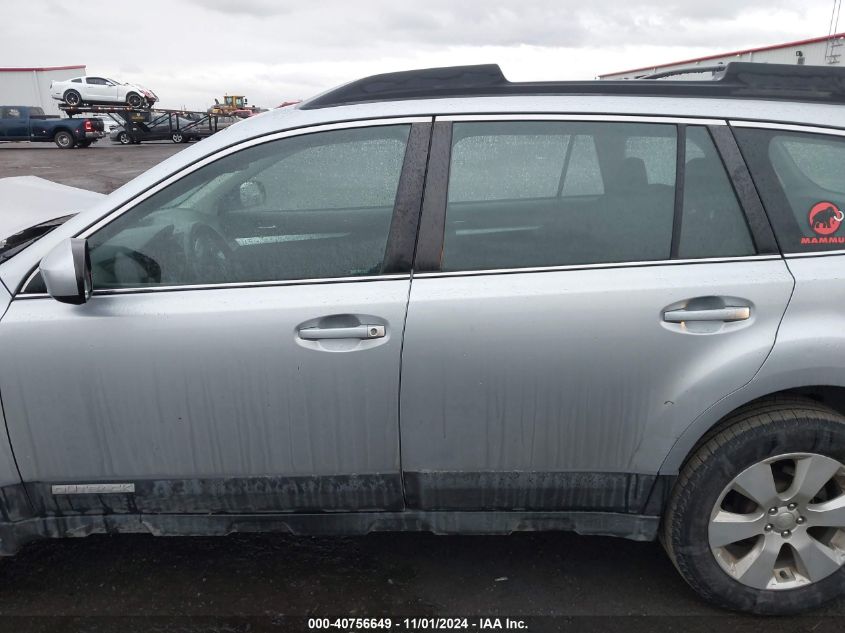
x=583, y=289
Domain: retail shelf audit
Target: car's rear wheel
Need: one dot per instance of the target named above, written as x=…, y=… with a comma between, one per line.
x=757, y=518
x=124, y=138
x=72, y=98
x=177, y=137
x=64, y=139
x=134, y=100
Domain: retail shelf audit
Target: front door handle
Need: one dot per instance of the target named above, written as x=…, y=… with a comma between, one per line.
x=729, y=313
x=359, y=331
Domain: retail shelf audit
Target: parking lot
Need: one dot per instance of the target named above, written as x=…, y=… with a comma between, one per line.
x=258, y=578
x=102, y=167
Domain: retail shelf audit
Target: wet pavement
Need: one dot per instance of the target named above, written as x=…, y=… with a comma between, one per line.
x=266, y=581
x=103, y=167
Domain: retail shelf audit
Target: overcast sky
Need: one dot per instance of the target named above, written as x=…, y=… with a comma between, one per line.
x=190, y=51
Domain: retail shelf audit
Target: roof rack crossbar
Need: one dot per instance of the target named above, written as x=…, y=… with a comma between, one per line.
x=747, y=80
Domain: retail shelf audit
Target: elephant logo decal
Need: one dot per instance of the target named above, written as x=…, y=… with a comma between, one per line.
x=825, y=218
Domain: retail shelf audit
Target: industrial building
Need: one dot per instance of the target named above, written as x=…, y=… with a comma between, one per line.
x=31, y=86
x=818, y=51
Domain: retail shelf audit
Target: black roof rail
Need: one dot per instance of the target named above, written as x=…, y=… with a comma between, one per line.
x=743, y=80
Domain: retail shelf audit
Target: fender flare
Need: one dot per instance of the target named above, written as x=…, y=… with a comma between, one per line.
x=758, y=388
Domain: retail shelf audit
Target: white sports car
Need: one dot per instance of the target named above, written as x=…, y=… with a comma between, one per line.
x=99, y=90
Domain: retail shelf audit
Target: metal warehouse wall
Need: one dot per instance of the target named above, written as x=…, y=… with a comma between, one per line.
x=812, y=51
x=31, y=86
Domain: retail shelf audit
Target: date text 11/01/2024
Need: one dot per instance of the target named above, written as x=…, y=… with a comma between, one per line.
x=417, y=624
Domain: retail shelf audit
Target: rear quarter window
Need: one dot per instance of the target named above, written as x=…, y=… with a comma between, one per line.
x=801, y=179
x=819, y=160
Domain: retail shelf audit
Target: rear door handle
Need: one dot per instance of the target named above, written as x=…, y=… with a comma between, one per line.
x=730, y=313
x=359, y=331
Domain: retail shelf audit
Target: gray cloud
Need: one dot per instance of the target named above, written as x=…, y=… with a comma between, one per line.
x=191, y=51
x=500, y=23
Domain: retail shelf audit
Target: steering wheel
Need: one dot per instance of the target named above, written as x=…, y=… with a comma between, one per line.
x=208, y=256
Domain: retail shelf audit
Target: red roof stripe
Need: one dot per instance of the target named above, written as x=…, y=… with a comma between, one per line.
x=772, y=47
x=45, y=68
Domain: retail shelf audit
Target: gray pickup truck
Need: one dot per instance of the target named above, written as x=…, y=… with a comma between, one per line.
x=29, y=123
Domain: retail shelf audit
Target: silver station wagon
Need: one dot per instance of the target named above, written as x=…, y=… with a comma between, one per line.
x=439, y=300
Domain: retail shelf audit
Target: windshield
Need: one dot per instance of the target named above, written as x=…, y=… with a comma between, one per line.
x=15, y=243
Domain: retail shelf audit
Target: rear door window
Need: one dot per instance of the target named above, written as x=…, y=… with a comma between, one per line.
x=520, y=163
x=526, y=194
x=534, y=193
x=712, y=223
x=801, y=180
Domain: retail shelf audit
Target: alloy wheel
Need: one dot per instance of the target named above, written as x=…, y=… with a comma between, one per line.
x=780, y=523
x=64, y=140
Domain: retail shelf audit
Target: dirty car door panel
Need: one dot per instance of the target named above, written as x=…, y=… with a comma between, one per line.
x=187, y=376
x=540, y=368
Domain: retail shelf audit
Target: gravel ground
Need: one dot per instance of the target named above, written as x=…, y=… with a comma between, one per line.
x=258, y=582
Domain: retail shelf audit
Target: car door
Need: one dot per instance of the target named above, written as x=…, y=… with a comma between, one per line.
x=157, y=128
x=100, y=89
x=219, y=366
x=4, y=122
x=584, y=288
x=14, y=124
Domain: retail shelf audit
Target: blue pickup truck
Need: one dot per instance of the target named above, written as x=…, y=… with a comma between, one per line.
x=29, y=123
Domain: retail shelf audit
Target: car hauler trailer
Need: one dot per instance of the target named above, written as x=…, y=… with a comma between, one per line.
x=180, y=126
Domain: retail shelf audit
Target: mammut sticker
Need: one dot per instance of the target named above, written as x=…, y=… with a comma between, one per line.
x=825, y=218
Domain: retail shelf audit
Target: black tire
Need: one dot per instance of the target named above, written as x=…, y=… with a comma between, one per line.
x=177, y=137
x=83, y=144
x=64, y=140
x=755, y=433
x=72, y=98
x=124, y=139
x=134, y=100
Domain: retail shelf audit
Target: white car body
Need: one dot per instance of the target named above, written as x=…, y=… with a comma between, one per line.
x=29, y=200
x=100, y=90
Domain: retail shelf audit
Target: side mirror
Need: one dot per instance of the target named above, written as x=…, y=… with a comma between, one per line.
x=66, y=271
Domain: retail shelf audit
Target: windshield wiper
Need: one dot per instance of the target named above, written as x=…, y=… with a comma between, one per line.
x=15, y=243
